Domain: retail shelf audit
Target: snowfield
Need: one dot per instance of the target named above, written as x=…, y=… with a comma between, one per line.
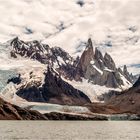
x=112, y=24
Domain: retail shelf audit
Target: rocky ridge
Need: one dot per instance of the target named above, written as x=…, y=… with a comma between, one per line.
x=101, y=69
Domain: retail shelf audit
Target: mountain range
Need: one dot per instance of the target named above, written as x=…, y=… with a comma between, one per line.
x=62, y=68
x=48, y=79
x=92, y=65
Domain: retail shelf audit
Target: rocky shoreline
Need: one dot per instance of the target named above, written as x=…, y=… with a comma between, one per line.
x=13, y=112
x=97, y=117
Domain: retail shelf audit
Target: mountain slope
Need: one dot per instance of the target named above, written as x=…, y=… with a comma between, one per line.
x=54, y=90
x=128, y=101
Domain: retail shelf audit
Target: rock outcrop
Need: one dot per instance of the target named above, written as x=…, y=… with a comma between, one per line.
x=129, y=76
x=109, y=63
x=15, y=80
x=137, y=84
x=86, y=57
x=34, y=50
x=13, y=112
x=54, y=57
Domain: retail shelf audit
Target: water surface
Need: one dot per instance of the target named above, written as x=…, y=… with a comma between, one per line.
x=69, y=130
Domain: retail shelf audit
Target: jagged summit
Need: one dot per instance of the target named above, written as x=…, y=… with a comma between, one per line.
x=129, y=76
x=98, y=54
x=86, y=57
x=89, y=44
x=109, y=62
x=33, y=49
x=14, y=41
x=55, y=57
x=100, y=69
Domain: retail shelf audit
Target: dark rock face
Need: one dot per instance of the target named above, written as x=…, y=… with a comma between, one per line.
x=40, y=52
x=54, y=57
x=33, y=50
x=86, y=57
x=54, y=90
x=110, y=79
x=65, y=63
x=128, y=76
x=80, y=2
x=137, y=83
x=99, y=60
x=15, y=80
x=106, y=97
x=109, y=63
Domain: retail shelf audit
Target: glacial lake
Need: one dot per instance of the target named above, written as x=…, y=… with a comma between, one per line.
x=69, y=130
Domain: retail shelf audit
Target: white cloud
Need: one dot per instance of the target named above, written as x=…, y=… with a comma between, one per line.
x=97, y=18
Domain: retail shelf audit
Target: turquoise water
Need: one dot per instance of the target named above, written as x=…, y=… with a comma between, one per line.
x=65, y=130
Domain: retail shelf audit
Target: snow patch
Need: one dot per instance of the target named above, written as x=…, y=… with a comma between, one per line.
x=100, y=71
x=127, y=84
x=106, y=69
x=61, y=61
x=91, y=90
x=92, y=62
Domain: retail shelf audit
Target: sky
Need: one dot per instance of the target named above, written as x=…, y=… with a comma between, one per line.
x=66, y=24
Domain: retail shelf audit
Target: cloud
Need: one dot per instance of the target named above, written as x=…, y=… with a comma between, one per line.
x=97, y=18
